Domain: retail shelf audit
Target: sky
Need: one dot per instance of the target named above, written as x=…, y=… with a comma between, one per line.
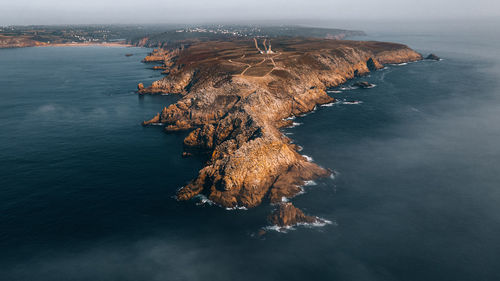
x=25, y=12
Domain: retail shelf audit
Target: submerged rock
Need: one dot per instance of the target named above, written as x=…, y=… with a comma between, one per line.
x=363, y=85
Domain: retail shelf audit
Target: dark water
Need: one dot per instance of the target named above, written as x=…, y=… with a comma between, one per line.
x=85, y=191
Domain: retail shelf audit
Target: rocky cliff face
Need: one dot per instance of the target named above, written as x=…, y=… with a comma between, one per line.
x=235, y=100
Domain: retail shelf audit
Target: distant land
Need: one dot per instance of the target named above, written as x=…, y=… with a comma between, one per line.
x=152, y=35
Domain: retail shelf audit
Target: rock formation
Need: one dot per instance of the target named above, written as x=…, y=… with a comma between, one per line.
x=236, y=99
x=432, y=57
x=288, y=215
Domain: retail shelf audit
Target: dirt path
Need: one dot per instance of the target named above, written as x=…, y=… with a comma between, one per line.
x=266, y=57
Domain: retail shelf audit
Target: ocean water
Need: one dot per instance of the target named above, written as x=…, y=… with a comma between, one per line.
x=86, y=192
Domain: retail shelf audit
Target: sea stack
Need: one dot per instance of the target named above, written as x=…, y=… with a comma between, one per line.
x=288, y=215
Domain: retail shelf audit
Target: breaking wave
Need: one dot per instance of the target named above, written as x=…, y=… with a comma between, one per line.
x=203, y=200
x=320, y=223
x=308, y=158
x=310, y=183
x=334, y=92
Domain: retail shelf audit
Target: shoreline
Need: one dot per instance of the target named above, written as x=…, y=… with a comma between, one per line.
x=104, y=44
x=236, y=98
x=86, y=44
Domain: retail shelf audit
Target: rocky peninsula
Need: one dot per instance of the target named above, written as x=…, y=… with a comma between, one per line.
x=236, y=95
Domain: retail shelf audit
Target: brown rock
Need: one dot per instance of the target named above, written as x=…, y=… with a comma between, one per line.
x=153, y=120
x=373, y=64
x=288, y=215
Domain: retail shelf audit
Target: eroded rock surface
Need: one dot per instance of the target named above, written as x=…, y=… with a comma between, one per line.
x=286, y=214
x=236, y=97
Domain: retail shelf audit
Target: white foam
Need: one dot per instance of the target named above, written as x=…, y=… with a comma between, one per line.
x=295, y=124
x=288, y=133
x=290, y=118
x=351, y=102
x=328, y=104
x=319, y=223
x=299, y=148
x=203, y=200
x=237, y=208
x=310, y=183
x=334, y=92
x=308, y=158
x=156, y=124
x=284, y=199
x=278, y=228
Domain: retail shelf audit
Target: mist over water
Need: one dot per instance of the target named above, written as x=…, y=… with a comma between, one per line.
x=86, y=191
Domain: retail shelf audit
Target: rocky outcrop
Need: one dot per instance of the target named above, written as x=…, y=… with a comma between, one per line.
x=432, y=57
x=373, y=64
x=288, y=215
x=19, y=42
x=235, y=99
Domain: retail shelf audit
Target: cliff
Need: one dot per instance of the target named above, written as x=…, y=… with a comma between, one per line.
x=19, y=42
x=236, y=97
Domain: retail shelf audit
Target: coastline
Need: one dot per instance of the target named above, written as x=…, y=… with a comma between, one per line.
x=84, y=44
x=235, y=99
x=104, y=44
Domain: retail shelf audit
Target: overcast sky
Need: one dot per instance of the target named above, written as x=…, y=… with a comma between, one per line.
x=195, y=11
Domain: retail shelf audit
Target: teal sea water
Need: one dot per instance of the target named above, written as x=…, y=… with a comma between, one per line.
x=86, y=192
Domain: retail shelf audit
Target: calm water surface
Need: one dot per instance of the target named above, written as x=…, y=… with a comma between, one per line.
x=86, y=192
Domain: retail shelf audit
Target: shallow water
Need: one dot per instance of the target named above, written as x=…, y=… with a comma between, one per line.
x=86, y=192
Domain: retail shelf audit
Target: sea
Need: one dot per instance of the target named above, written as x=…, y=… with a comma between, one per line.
x=86, y=192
